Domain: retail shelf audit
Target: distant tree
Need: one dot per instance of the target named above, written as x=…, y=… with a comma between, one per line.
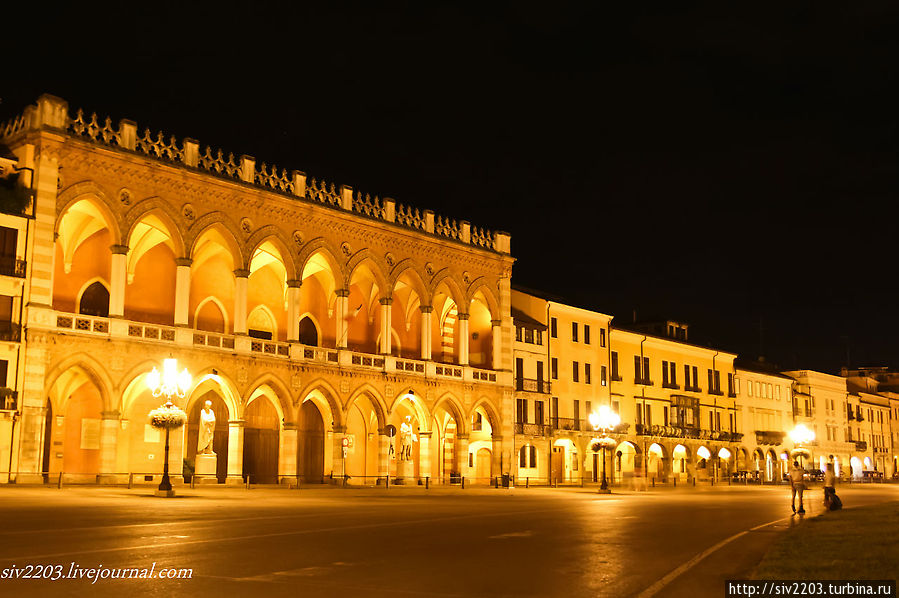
x=14, y=197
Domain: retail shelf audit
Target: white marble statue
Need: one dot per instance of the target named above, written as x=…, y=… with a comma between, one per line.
x=207, y=430
x=407, y=437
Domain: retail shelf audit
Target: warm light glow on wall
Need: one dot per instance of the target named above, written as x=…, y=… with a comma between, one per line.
x=170, y=383
x=703, y=452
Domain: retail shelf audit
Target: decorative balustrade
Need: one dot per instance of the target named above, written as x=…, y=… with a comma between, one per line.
x=217, y=341
x=150, y=332
x=484, y=375
x=368, y=205
x=684, y=432
x=450, y=371
x=532, y=429
x=83, y=323
x=161, y=147
x=771, y=437
x=565, y=423
x=270, y=348
x=530, y=385
x=409, y=365
x=367, y=361
x=319, y=354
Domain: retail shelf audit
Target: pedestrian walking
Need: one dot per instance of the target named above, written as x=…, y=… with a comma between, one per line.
x=797, y=485
x=831, y=500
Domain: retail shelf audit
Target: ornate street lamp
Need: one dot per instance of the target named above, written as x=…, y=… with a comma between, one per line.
x=801, y=435
x=603, y=420
x=168, y=417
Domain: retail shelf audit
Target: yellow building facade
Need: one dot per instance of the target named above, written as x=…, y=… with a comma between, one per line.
x=315, y=318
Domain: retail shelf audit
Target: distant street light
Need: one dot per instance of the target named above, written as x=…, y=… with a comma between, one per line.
x=603, y=420
x=168, y=384
x=801, y=435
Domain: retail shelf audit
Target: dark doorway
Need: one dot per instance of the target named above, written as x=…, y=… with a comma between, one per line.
x=308, y=332
x=311, y=444
x=220, y=438
x=261, y=442
x=95, y=301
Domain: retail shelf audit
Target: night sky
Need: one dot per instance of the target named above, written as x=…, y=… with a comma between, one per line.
x=734, y=170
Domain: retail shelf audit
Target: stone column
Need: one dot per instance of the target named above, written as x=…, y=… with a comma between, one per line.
x=383, y=454
x=496, y=456
x=117, y=279
x=496, y=333
x=386, y=303
x=461, y=451
x=241, y=283
x=424, y=454
x=426, y=331
x=287, y=462
x=338, y=461
x=109, y=437
x=235, y=452
x=293, y=310
x=340, y=317
x=463, y=338
x=182, y=291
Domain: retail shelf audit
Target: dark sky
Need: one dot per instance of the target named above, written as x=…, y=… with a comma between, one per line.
x=735, y=170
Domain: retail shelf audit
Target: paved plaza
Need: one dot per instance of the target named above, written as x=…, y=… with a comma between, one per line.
x=401, y=541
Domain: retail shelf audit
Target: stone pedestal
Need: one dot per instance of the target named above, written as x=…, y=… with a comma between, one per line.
x=165, y=493
x=204, y=471
x=403, y=472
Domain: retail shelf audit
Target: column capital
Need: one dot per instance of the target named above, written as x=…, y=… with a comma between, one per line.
x=462, y=436
x=119, y=249
x=426, y=309
x=496, y=323
x=386, y=300
x=497, y=438
x=426, y=434
x=110, y=415
x=339, y=429
x=241, y=273
x=289, y=426
x=236, y=423
x=183, y=261
x=342, y=292
x=461, y=316
x=293, y=283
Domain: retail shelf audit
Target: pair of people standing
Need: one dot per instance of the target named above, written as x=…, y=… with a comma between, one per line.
x=797, y=484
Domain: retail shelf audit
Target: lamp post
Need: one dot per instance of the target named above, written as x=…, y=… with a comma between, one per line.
x=801, y=435
x=169, y=384
x=603, y=420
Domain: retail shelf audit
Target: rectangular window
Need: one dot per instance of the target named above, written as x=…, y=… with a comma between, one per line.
x=574, y=332
x=673, y=373
x=529, y=336
x=602, y=337
x=587, y=412
x=646, y=377
x=602, y=375
x=577, y=411
x=638, y=378
x=717, y=381
x=616, y=407
x=522, y=411
x=696, y=379
x=554, y=365
x=538, y=412
x=523, y=457
x=575, y=374
x=614, y=366
x=718, y=421
x=555, y=408
x=539, y=376
x=553, y=328
x=665, y=374
x=4, y=368
x=730, y=384
x=665, y=414
x=539, y=337
x=711, y=421
x=519, y=333
x=711, y=386
x=586, y=334
x=9, y=237
x=649, y=415
x=687, y=385
x=588, y=378
x=533, y=454
x=639, y=414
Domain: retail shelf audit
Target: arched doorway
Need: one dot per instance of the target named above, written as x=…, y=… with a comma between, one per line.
x=311, y=444
x=856, y=466
x=94, y=300
x=308, y=332
x=261, y=437
x=219, y=439
x=361, y=462
x=680, y=459
x=655, y=463
x=626, y=461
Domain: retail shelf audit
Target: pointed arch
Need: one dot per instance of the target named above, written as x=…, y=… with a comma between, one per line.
x=91, y=368
x=212, y=379
x=375, y=265
x=221, y=307
x=268, y=314
x=480, y=284
x=275, y=236
x=282, y=393
x=227, y=229
x=453, y=406
x=376, y=400
x=330, y=395
x=96, y=195
x=418, y=405
x=328, y=251
x=163, y=211
x=492, y=414
x=455, y=290
x=415, y=273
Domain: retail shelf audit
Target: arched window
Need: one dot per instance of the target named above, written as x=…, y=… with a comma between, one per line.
x=308, y=332
x=95, y=301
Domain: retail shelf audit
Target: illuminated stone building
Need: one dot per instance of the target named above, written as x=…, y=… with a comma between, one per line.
x=313, y=316
x=765, y=408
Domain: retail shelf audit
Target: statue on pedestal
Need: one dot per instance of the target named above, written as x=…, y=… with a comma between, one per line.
x=207, y=430
x=407, y=437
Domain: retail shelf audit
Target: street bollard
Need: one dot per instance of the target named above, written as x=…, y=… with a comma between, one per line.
x=463, y=483
x=130, y=480
x=387, y=482
x=427, y=483
x=248, y=482
x=675, y=482
x=694, y=481
x=653, y=482
x=527, y=482
x=59, y=483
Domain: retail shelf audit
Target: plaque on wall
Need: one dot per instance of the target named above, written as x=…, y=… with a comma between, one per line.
x=90, y=433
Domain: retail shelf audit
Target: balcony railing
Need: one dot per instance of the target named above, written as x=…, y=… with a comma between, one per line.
x=683, y=432
x=769, y=437
x=529, y=385
x=565, y=423
x=10, y=332
x=861, y=445
x=532, y=429
x=12, y=266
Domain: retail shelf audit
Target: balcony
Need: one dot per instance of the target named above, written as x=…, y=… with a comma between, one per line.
x=530, y=385
x=685, y=432
x=769, y=437
x=532, y=429
x=10, y=332
x=12, y=266
x=8, y=399
x=565, y=423
x=861, y=446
